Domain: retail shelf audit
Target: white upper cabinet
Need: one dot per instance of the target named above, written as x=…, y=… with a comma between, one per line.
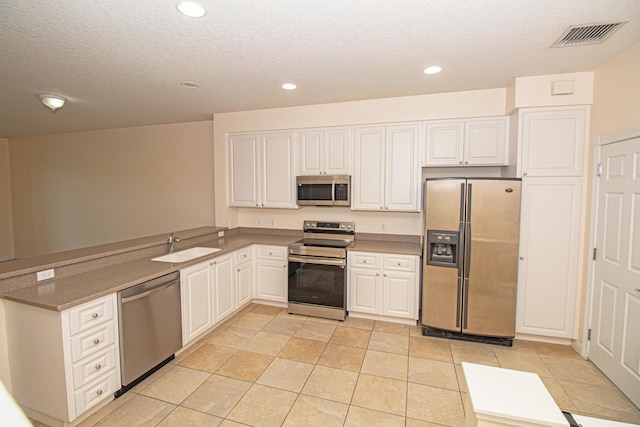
x=553, y=141
x=262, y=169
x=325, y=151
x=472, y=142
x=386, y=173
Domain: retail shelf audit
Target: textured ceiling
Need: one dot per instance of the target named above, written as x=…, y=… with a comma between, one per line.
x=120, y=63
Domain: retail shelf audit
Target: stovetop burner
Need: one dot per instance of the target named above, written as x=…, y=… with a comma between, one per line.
x=327, y=239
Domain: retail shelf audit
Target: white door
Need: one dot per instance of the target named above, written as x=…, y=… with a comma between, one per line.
x=398, y=294
x=311, y=152
x=445, y=141
x=485, y=142
x=244, y=170
x=337, y=147
x=197, y=301
x=364, y=285
x=615, y=339
x=278, y=167
x=243, y=280
x=271, y=280
x=368, y=179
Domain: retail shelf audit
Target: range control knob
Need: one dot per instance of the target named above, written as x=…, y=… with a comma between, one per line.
x=341, y=225
x=349, y=226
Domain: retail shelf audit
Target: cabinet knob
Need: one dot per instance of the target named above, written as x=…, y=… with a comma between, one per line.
x=466, y=162
x=521, y=257
x=524, y=173
x=637, y=289
x=94, y=315
x=381, y=207
x=256, y=205
x=96, y=341
x=398, y=264
x=460, y=162
x=284, y=266
x=364, y=261
x=210, y=262
x=99, y=392
x=238, y=270
x=384, y=275
x=98, y=366
x=377, y=274
x=386, y=207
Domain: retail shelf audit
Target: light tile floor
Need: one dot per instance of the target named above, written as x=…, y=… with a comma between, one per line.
x=264, y=367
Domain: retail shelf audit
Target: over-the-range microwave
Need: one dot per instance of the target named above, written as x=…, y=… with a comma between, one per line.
x=324, y=190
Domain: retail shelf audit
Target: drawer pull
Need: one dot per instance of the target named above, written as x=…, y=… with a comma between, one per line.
x=94, y=315
x=364, y=261
x=98, y=366
x=96, y=341
x=398, y=263
x=99, y=392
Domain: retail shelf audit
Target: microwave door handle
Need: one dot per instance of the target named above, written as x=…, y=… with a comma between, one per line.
x=333, y=192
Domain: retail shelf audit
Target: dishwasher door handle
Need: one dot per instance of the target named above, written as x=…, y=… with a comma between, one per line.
x=146, y=293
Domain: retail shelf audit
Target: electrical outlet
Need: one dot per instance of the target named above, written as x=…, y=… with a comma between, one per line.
x=220, y=233
x=383, y=227
x=45, y=274
x=260, y=222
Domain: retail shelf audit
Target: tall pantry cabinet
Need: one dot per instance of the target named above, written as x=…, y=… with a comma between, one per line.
x=552, y=163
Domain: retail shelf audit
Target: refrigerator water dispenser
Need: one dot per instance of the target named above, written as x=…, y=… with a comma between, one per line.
x=443, y=248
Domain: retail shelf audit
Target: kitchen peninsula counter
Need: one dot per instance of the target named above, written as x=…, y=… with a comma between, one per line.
x=61, y=294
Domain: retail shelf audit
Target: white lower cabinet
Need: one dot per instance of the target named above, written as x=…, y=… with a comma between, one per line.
x=197, y=301
x=384, y=284
x=65, y=363
x=271, y=273
x=243, y=276
x=224, y=298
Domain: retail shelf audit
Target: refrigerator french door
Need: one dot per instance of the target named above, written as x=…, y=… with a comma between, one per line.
x=472, y=229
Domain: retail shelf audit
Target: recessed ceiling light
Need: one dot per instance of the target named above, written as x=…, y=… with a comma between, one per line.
x=191, y=9
x=190, y=85
x=288, y=86
x=432, y=70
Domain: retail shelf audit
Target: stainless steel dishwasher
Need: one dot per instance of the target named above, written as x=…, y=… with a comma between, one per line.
x=150, y=323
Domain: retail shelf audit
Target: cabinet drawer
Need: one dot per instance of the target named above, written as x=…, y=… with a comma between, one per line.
x=94, y=393
x=92, y=341
x=271, y=252
x=243, y=255
x=365, y=260
x=91, y=368
x=400, y=262
x=88, y=315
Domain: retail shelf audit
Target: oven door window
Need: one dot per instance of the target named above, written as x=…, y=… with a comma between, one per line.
x=317, y=284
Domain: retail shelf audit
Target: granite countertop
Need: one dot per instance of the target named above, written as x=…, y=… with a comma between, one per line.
x=63, y=293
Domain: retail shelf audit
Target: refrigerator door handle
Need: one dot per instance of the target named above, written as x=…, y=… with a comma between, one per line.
x=458, y=302
x=465, y=304
x=467, y=259
x=460, y=254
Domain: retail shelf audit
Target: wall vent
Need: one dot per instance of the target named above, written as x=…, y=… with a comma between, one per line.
x=579, y=35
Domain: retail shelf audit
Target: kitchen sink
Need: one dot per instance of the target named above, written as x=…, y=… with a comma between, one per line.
x=186, y=255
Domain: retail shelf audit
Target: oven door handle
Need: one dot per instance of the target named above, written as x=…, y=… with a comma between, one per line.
x=317, y=260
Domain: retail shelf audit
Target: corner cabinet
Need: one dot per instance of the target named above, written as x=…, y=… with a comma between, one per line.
x=473, y=142
x=384, y=286
x=325, y=151
x=63, y=364
x=386, y=172
x=554, y=148
x=213, y=290
x=262, y=169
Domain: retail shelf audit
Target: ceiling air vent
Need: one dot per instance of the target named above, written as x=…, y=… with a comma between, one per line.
x=579, y=35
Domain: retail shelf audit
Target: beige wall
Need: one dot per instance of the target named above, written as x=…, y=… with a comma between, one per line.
x=425, y=107
x=87, y=188
x=616, y=103
x=6, y=220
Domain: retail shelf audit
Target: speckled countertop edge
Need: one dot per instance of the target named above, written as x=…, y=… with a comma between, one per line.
x=62, y=294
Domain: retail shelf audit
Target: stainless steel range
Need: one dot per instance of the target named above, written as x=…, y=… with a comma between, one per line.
x=317, y=270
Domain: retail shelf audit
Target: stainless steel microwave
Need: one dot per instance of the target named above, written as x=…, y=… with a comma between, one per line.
x=324, y=190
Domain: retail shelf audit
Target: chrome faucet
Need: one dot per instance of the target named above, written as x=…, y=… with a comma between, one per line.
x=171, y=240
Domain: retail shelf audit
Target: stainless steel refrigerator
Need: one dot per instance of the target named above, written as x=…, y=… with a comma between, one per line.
x=472, y=229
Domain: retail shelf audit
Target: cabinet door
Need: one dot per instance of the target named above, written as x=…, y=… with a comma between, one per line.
x=243, y=281
x=271, y=280
x=399, y=294
x=445, y=141
x=197, y=301
x=244, y=169
x=311, y=152
x=224, y=296
x=278, y=166
x=485, y=142
x=553, y=141
x=549, y=256
x=369, y=162
x=402, y=176
x=337, y=149
x=365, y=290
